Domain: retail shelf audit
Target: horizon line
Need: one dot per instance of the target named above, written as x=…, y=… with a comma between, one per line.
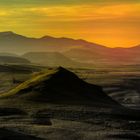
x=65, y=37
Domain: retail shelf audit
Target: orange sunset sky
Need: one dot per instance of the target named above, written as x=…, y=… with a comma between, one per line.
x=114, y=23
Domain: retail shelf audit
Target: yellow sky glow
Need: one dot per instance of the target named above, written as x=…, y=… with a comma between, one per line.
x=113, y=25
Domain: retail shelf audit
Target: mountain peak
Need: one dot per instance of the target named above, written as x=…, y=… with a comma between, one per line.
x=11, y=35
x=46, y=37
x=60, y=85
x=60, y=68
x=7, y=33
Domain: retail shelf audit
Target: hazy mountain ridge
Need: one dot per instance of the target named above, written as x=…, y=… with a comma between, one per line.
x=78, y=50
x=13, y=60
x=10, y=40
x=106, y=56
x=52, y=59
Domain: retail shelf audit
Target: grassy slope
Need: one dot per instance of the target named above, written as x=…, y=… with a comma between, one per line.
x=29, y=83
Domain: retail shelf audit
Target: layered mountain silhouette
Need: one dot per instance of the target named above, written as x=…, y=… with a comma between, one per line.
x=7, y=54
x=52, y=59
x=78, y=50
x=60, y=86
x=115, y=56
x=13, y=60
x=12, y=42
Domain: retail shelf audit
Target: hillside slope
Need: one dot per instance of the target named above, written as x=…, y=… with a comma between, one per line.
x=116, y=56
x=60, y=86
x=13, y=60
x=52, y=59
x=12, y=42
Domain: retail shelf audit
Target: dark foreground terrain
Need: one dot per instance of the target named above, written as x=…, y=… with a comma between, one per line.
x=92, y=116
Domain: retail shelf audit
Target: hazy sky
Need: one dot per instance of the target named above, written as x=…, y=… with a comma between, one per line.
x=115, y=23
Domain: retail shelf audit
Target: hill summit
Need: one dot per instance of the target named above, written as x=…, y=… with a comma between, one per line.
x=60, y=85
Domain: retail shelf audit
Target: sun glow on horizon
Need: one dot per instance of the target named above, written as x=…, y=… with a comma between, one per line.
x=112, y=23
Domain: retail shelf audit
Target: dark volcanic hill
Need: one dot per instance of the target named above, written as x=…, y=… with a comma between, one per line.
x=60, y=86
x=13, y=60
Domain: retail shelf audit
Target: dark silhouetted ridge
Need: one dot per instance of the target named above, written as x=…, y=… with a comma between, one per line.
x=60, y=86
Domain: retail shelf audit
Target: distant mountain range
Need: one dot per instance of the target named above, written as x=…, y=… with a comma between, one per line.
x=13, y=42
x=77, y=50
x=109, y=56
x=13, y=60
x=52, y=59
